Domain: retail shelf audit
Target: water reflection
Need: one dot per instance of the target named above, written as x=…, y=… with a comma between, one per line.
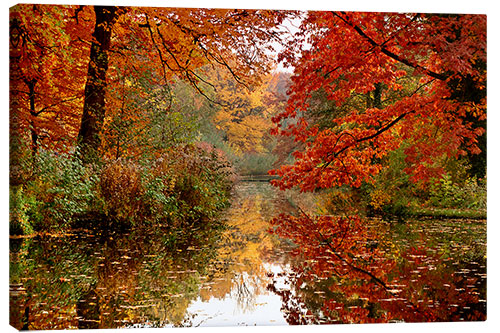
x=155, y=277
x=244, y=275
x=419, y=271
x=238, y=295
x=107, y=281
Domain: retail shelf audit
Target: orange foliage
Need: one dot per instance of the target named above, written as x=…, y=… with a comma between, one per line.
x=50, y=61
x=47, y=72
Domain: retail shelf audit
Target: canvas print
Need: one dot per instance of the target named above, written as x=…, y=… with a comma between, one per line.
x=174, y=167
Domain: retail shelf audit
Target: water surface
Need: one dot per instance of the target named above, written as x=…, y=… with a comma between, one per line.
x=241, y=275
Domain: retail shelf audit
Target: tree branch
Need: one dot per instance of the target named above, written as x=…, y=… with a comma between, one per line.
x=334, y=251
x=386, y=51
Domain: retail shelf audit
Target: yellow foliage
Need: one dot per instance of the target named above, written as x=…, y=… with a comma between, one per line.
x=245, y=114
x=379, y=197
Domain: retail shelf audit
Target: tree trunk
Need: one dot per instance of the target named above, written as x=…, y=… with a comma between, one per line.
x=94, y=107
x=34, y=134
x=377, y=95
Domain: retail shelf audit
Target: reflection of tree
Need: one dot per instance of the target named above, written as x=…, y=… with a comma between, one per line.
x=246, y=245
x=351, y=274
x=147, y=277
x=42, y=293
x=88, y=312
x=239, y=272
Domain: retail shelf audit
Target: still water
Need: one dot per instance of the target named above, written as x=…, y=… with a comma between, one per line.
x=241, y=275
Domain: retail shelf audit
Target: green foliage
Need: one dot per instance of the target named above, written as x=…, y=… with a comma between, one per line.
x=149, y=119
x=444, y=193
x=393, y=194
x=59, y=190
x=72, y=186
x=188, y=185
x=21, y=206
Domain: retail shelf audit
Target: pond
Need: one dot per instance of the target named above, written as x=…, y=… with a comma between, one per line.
x=243, y=275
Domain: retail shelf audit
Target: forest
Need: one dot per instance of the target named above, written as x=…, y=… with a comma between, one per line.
x=136, y=116
x=131, y=120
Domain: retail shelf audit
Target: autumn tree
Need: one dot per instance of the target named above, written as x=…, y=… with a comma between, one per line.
x=362, y=53
x=410, y=83
x=64, y=53
x=95, y=88
x=47, y=66
x=175, y=43
x=244, y=114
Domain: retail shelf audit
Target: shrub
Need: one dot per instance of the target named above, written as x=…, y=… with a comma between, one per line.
x=186, y=185
x=59, y=190
x=444, y=193
x=200, y=180
x=20, y=207
x=120, y=189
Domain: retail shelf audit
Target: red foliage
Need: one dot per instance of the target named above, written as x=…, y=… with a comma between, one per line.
x=47, y=72
x=368, y=283
x=443, y=55
x=433, y=72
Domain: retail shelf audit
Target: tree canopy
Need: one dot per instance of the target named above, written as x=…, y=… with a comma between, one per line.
x=425, y=75
x=66, y=59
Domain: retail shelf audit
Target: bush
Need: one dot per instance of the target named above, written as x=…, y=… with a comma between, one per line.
x=120, y=189
x=59, y=190
x=444, y=193
x=394, y=194
x=190, y=184
x=20, y=206
x=200, y=179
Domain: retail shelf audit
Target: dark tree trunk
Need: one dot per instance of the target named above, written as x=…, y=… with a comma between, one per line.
x=374, y=98
x=33, y=113
x=87, y=309
x=377, y=95
x=94, y=107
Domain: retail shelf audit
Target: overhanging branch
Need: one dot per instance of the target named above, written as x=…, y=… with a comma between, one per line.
x=385, y=51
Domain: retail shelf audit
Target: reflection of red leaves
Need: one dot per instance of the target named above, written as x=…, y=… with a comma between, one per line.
x=416, y=286
x=438, y=100
x=329, y=238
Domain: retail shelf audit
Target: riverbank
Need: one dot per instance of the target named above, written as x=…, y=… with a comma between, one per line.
x=321, y=203
x=164, y=278
x=55, y=193
x=451, y=213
